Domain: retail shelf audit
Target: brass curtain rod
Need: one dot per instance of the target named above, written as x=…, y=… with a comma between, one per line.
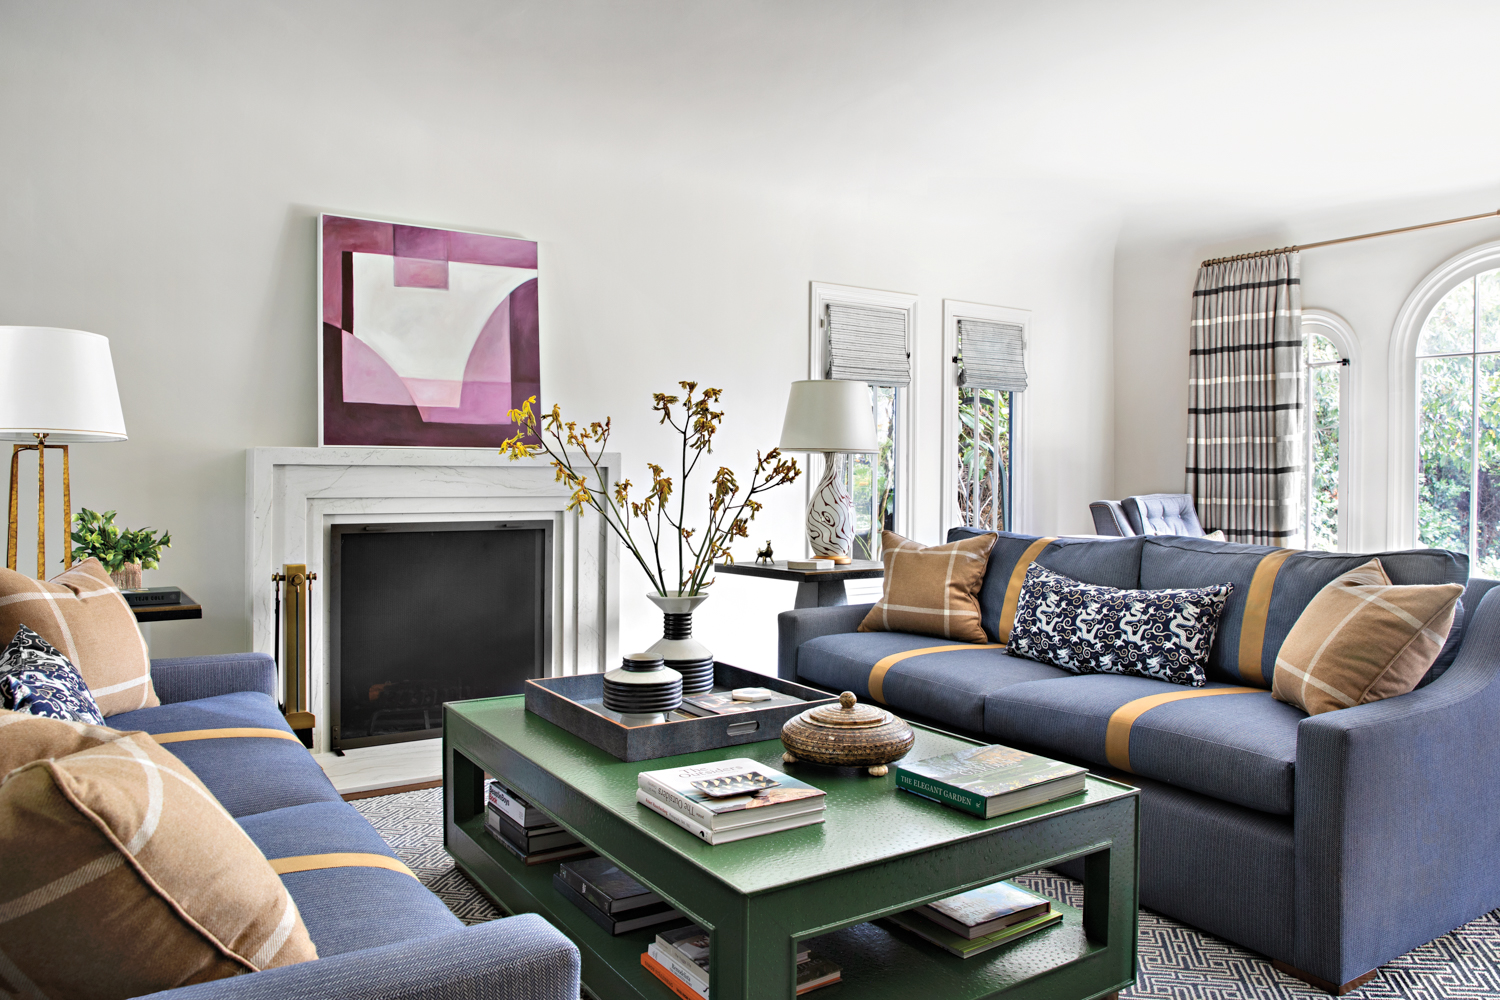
x=1347, y=239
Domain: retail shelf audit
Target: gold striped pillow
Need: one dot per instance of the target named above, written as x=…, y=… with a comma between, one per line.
x=1362, y=639
x=931, y=590
x=84, y=617
x=123, y=875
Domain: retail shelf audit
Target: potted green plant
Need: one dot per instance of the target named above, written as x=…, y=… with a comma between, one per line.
x=658, y=521
x=123, y=552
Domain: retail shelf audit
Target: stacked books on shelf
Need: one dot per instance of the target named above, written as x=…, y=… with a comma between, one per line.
x=525, y=830
x=973, y=922
x=611, y=898
x=730, y=800
x=990, y=781
x=679, y=958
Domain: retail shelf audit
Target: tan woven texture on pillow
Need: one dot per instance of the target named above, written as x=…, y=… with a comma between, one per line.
x=123, y=875
x=25, y=737
x=83, y=616
x=932, y=590
x=1362, y=639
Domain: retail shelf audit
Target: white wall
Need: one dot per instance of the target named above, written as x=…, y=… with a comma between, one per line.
x=1365, y=282
x=164, y=165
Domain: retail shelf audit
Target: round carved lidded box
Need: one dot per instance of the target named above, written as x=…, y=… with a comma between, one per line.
x=847, y=735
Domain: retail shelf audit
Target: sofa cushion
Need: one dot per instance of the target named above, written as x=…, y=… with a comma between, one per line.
x=351, y=906
x=1362, y=640
x=931, y=589
x=249, y=774
x=81, y=613
x=123, y=876
x=1233, y=743
x=1108, y=562
x=1088, y=629
x=946, y=682
x=1276, y=584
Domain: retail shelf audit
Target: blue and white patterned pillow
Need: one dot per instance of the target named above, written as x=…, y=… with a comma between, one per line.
x=1088, y=629
x=37, y=679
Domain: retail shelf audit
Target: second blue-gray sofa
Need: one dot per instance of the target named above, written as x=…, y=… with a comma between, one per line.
x=1331, y=843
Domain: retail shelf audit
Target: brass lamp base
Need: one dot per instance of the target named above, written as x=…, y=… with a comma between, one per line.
x=40, y=448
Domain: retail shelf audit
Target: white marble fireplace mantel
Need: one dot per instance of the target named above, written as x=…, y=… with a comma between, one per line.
x=294, y=496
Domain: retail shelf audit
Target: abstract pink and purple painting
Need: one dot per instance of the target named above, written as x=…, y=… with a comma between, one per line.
x=430, y=336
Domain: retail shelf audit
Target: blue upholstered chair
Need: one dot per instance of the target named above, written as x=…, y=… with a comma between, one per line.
x=1109, y=518
x=1162, y=514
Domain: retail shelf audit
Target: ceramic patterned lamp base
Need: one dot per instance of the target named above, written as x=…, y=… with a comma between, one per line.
x=830, y=516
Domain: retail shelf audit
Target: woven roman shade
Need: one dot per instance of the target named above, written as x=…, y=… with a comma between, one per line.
x=868, y=344
x=993, y=355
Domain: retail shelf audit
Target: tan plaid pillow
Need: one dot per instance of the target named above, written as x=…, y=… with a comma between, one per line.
x=83, y=616
x=933, y=590
x=1361, y=639
x=123, y=875
x=25, y=737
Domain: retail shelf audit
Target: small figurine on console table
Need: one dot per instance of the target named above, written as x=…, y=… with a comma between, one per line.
x=765, y=555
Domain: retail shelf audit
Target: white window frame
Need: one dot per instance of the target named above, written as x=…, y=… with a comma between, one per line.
x=820, y=293
x=1341, y=335
x=1401, y=526
x=953, y=311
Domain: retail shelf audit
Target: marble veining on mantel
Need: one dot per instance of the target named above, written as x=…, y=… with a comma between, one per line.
x=294, y=496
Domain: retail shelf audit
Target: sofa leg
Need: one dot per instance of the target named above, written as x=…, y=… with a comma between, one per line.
x=1323, y=984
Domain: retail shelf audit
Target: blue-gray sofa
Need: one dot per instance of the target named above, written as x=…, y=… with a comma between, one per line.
x=380, y=934
x=1331, y=843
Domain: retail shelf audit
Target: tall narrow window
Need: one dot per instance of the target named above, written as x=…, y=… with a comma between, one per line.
x=1320, y=503
x=991, y=356
x=1458, y=423
x=869, y=342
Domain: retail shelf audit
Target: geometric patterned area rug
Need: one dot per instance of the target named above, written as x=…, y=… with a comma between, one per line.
x=1176, y=962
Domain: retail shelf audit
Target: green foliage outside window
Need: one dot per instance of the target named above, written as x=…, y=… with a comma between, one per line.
x=985, y=503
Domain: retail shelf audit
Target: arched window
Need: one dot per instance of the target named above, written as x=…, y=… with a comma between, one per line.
x=1327, y=514
x=1458, y=422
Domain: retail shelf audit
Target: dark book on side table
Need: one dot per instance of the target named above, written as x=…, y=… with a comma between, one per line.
x=646, y=916
x=149, y=597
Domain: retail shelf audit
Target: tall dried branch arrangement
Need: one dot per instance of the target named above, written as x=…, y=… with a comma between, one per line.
x=648, y=523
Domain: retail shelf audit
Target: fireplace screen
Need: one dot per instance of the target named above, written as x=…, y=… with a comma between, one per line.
x=422, y=614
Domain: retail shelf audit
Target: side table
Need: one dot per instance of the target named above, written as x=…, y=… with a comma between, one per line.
x=816, y=588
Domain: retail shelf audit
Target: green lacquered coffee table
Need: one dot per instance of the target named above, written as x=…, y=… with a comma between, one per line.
x=879, y=851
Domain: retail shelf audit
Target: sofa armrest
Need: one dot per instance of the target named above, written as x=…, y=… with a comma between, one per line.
x=517, y=958
x=796, y=627
x=192, y=677
x=1398, y=814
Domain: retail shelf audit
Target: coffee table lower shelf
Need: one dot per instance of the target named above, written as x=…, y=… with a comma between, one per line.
x=879, y=962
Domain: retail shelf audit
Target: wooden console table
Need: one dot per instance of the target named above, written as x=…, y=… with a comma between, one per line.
x=816, y=588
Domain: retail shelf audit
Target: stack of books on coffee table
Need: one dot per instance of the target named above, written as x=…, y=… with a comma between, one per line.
x=611, y=898
x=730, y=800
x=973, y=922
x=525, y=830
x=679, y=958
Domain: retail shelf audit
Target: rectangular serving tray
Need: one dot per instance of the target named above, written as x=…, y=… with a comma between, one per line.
x=565, y=701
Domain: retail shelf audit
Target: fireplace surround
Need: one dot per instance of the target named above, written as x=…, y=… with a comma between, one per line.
x=296, y=496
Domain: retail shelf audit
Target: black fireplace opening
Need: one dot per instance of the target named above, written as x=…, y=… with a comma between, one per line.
x=422, y=614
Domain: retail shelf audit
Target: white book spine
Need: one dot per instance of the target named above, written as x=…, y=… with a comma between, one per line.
x=691, y=825
x=669, y=961
x=688, y=823
x=507, y=805
x=676, y=800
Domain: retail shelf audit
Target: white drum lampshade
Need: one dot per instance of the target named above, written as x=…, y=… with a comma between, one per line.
x=60, y=383
x=57, y=387
x=833, y=416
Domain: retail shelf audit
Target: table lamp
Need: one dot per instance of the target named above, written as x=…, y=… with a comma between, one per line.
x=57, y=387
x=835, y=417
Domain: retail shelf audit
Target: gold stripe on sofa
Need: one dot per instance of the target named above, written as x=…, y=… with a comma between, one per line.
x=1257, y=610
x=1013, y=588
x=877, y=672
x=318, y=862
x=1117, y=736
x=223, y=734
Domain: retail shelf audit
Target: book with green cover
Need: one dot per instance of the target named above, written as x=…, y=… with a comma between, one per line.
x=961, y=946
x=989, y=908
x=990, y=781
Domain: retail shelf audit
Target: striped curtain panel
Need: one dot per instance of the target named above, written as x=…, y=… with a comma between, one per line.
x=1245, y=405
